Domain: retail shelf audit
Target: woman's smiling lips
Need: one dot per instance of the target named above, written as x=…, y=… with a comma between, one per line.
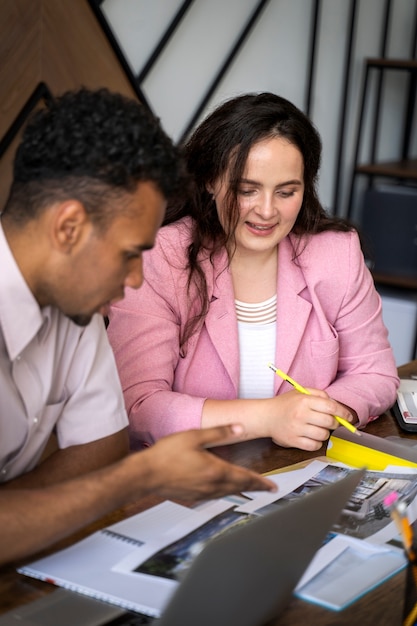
x=260, y=229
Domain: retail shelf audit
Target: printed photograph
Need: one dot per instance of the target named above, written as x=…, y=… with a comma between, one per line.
x=364, y=513
x=175, y=559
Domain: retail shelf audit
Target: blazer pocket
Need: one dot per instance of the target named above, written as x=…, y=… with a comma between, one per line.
x=322, y=349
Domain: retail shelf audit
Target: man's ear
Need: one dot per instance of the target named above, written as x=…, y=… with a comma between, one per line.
x=69, y=223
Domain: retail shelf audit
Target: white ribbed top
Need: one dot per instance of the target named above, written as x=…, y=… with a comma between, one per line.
x=257, y=333
x=258, y=312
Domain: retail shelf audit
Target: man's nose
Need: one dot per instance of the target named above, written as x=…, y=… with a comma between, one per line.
x=135, y=277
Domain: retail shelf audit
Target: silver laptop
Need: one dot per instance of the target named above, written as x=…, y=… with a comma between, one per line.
x=246, y=576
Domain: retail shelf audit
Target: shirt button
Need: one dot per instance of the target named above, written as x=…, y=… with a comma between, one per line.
x=4, y=472
x=35, y=420
x=18, y=357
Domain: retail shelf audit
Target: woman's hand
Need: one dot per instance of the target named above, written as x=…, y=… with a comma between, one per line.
x=291, y=419
x=304, y=421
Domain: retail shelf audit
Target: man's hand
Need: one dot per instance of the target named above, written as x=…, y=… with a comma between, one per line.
x=178, y=467
x=181, y=467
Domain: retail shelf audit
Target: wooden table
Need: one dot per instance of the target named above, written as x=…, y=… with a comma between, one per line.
x=381, y=607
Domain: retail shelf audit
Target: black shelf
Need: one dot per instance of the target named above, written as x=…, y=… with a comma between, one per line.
x=405, y=169
x=395, y=173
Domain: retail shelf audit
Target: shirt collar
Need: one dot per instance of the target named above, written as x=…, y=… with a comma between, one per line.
x=20, y=315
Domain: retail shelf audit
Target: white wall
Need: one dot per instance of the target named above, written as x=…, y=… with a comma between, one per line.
x=275, y=58
x=400, y=317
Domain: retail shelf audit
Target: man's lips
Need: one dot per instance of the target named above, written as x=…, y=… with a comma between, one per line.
x=106, y=306
x=104, y=310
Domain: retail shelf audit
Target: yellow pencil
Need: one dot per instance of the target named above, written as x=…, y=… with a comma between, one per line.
x=301, y=389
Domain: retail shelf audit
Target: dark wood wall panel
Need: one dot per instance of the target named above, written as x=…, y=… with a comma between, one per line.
x=20, y=54
x=58, y=42
x=75, y=50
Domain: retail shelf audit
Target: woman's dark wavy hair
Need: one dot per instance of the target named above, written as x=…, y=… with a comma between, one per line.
x=220, y=144
x=94, y=146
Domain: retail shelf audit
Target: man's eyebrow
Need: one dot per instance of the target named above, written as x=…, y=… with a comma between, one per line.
x=142, y=247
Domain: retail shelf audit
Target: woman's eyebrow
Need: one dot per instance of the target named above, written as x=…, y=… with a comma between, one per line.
x=248, y=181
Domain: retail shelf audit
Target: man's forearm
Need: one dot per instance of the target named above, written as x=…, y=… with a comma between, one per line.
x=73, y=461
x=36, y=518
x=177, y=467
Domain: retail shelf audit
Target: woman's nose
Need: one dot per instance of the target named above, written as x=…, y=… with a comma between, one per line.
x=266, y=206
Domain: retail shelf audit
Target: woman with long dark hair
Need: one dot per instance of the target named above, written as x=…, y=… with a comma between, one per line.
x=247, y=271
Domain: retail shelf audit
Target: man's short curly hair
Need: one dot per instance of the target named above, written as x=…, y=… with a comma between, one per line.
x=93, y=146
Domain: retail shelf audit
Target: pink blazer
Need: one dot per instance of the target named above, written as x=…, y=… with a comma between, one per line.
x=330, y=333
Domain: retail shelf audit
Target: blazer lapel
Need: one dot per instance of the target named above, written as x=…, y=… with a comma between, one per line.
x=221, y=323
x=293, y=310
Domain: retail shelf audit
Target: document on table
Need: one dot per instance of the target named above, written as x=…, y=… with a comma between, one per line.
x=137, y=563
x=356, y=556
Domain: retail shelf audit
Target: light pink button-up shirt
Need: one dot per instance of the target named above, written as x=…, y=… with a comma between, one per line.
x=53, y=375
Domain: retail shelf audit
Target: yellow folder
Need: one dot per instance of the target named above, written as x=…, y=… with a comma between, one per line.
x=374, y=453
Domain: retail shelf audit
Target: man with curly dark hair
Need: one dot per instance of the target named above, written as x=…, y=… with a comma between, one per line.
x=92, y=177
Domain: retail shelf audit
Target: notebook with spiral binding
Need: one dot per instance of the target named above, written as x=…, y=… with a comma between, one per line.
x=242, y=568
